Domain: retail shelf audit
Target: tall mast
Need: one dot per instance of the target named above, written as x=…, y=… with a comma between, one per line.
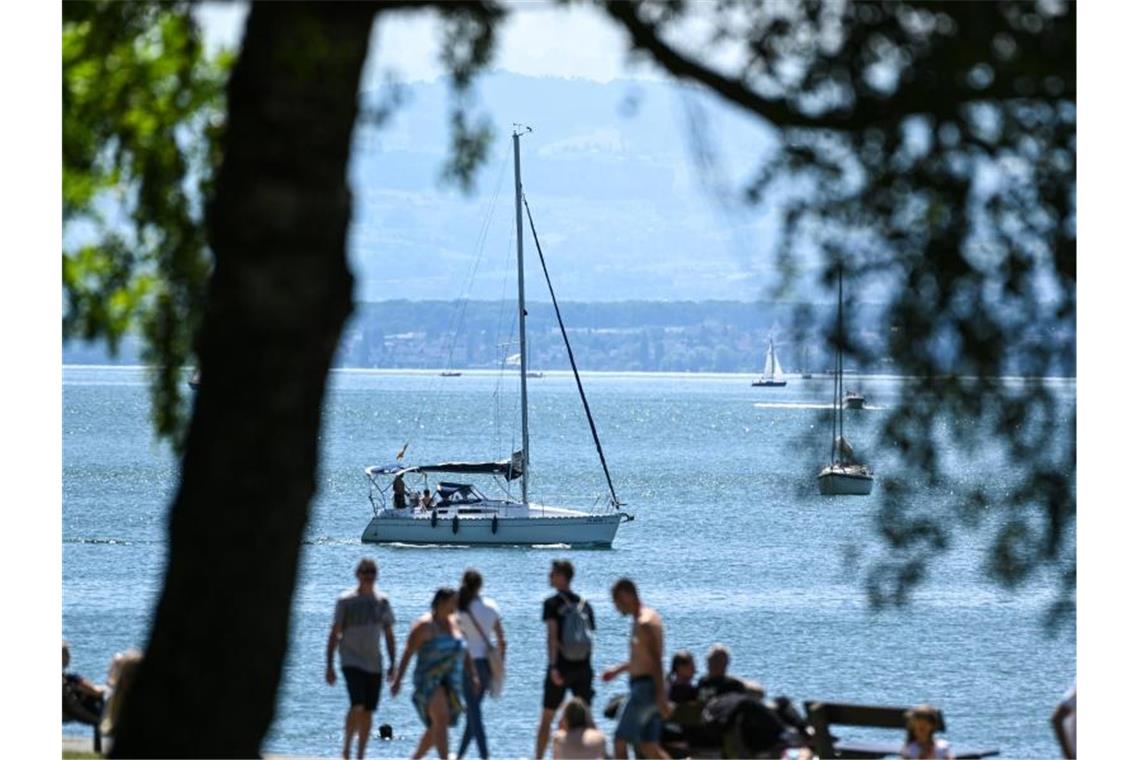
x=522, y=315
x=841, y=341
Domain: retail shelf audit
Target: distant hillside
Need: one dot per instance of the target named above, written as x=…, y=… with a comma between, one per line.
x=630, y=336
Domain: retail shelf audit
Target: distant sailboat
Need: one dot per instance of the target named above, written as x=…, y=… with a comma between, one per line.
x=773, y=376
x=515, y=360
x=843, y=476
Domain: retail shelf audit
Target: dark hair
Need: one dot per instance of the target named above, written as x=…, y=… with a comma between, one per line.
x=624, y=585
x=469, y=588
x=442, y=594
x=921, y=712
x=564, y=568
x=577, y=714
x=682, y=657
x=366, y=565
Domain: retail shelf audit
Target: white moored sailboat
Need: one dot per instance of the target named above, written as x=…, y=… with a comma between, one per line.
x=773, y=376
x=843, y=476
x=460, y=513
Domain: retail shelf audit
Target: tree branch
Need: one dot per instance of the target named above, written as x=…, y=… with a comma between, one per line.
x=645, y=37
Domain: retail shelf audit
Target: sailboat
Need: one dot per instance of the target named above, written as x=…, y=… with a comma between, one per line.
x=460, y=513
x=843, y=476
x=514, y=359
x=773, y=376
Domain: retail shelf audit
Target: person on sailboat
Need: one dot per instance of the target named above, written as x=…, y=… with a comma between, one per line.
x=399, y=494
x=425, y=500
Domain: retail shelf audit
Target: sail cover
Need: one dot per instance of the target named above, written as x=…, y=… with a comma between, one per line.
x=509, y=468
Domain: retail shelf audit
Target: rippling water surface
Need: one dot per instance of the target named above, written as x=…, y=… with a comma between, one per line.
x=731, y=543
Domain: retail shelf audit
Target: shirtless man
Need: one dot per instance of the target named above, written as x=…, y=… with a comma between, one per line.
x=646, y=706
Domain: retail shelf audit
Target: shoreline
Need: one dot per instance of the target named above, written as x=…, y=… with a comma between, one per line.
x=565, y=373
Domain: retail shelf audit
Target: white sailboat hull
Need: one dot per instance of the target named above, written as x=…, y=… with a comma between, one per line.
x=573, y=529
x=840, y=480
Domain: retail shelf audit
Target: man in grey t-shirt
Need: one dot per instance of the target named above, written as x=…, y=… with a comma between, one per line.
x=361, y=614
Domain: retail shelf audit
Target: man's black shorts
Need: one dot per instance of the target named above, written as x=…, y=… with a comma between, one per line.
x=363, y=687
x=579, y=679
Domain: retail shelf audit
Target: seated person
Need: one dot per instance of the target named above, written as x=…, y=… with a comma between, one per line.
x=576, y=736
x=82, y=700
x=425, y=500
x=921, y=722
x=718, y=682
x=681, y=673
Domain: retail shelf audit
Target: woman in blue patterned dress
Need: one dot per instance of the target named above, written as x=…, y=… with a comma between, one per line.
x=437, y=682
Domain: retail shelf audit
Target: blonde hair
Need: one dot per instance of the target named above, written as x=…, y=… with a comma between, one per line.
x=124, y=667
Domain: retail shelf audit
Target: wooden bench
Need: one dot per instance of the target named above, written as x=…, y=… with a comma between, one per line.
x=75, y=712
x=822, y=715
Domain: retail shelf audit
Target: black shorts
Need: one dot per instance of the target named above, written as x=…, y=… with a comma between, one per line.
x=579, y=679
x=363, y=687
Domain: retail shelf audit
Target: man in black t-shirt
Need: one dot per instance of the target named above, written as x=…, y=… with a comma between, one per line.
x=562, y=672
x=717, y=681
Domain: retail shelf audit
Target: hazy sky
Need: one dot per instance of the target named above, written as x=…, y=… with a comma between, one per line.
x=537, y=39
x=622, y=208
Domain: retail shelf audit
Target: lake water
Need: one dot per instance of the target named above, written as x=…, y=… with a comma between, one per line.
x=731, y=543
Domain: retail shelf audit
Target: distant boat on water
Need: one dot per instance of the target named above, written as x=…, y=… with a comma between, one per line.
x=773, y=375
x=450, y=373
x=843, y=476
x=853, y=400
x=515, y=360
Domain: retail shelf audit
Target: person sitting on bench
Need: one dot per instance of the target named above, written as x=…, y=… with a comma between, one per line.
x=920, y=742
x=82, y=700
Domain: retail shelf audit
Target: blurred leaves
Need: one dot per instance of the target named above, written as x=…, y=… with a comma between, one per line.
x=466, y=49
x=142, y=114
x=929, y=150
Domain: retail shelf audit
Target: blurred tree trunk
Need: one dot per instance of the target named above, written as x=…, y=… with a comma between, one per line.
x=279, y=297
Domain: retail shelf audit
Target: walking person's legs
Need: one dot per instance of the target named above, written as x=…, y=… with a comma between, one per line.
x=483, y=667
x=349, y=730
x=438, y=712
x=363, y=729
x=470, y=697
x=425, y=743
x=543, y=731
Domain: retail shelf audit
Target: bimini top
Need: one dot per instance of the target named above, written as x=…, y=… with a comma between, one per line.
x=509, y=468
